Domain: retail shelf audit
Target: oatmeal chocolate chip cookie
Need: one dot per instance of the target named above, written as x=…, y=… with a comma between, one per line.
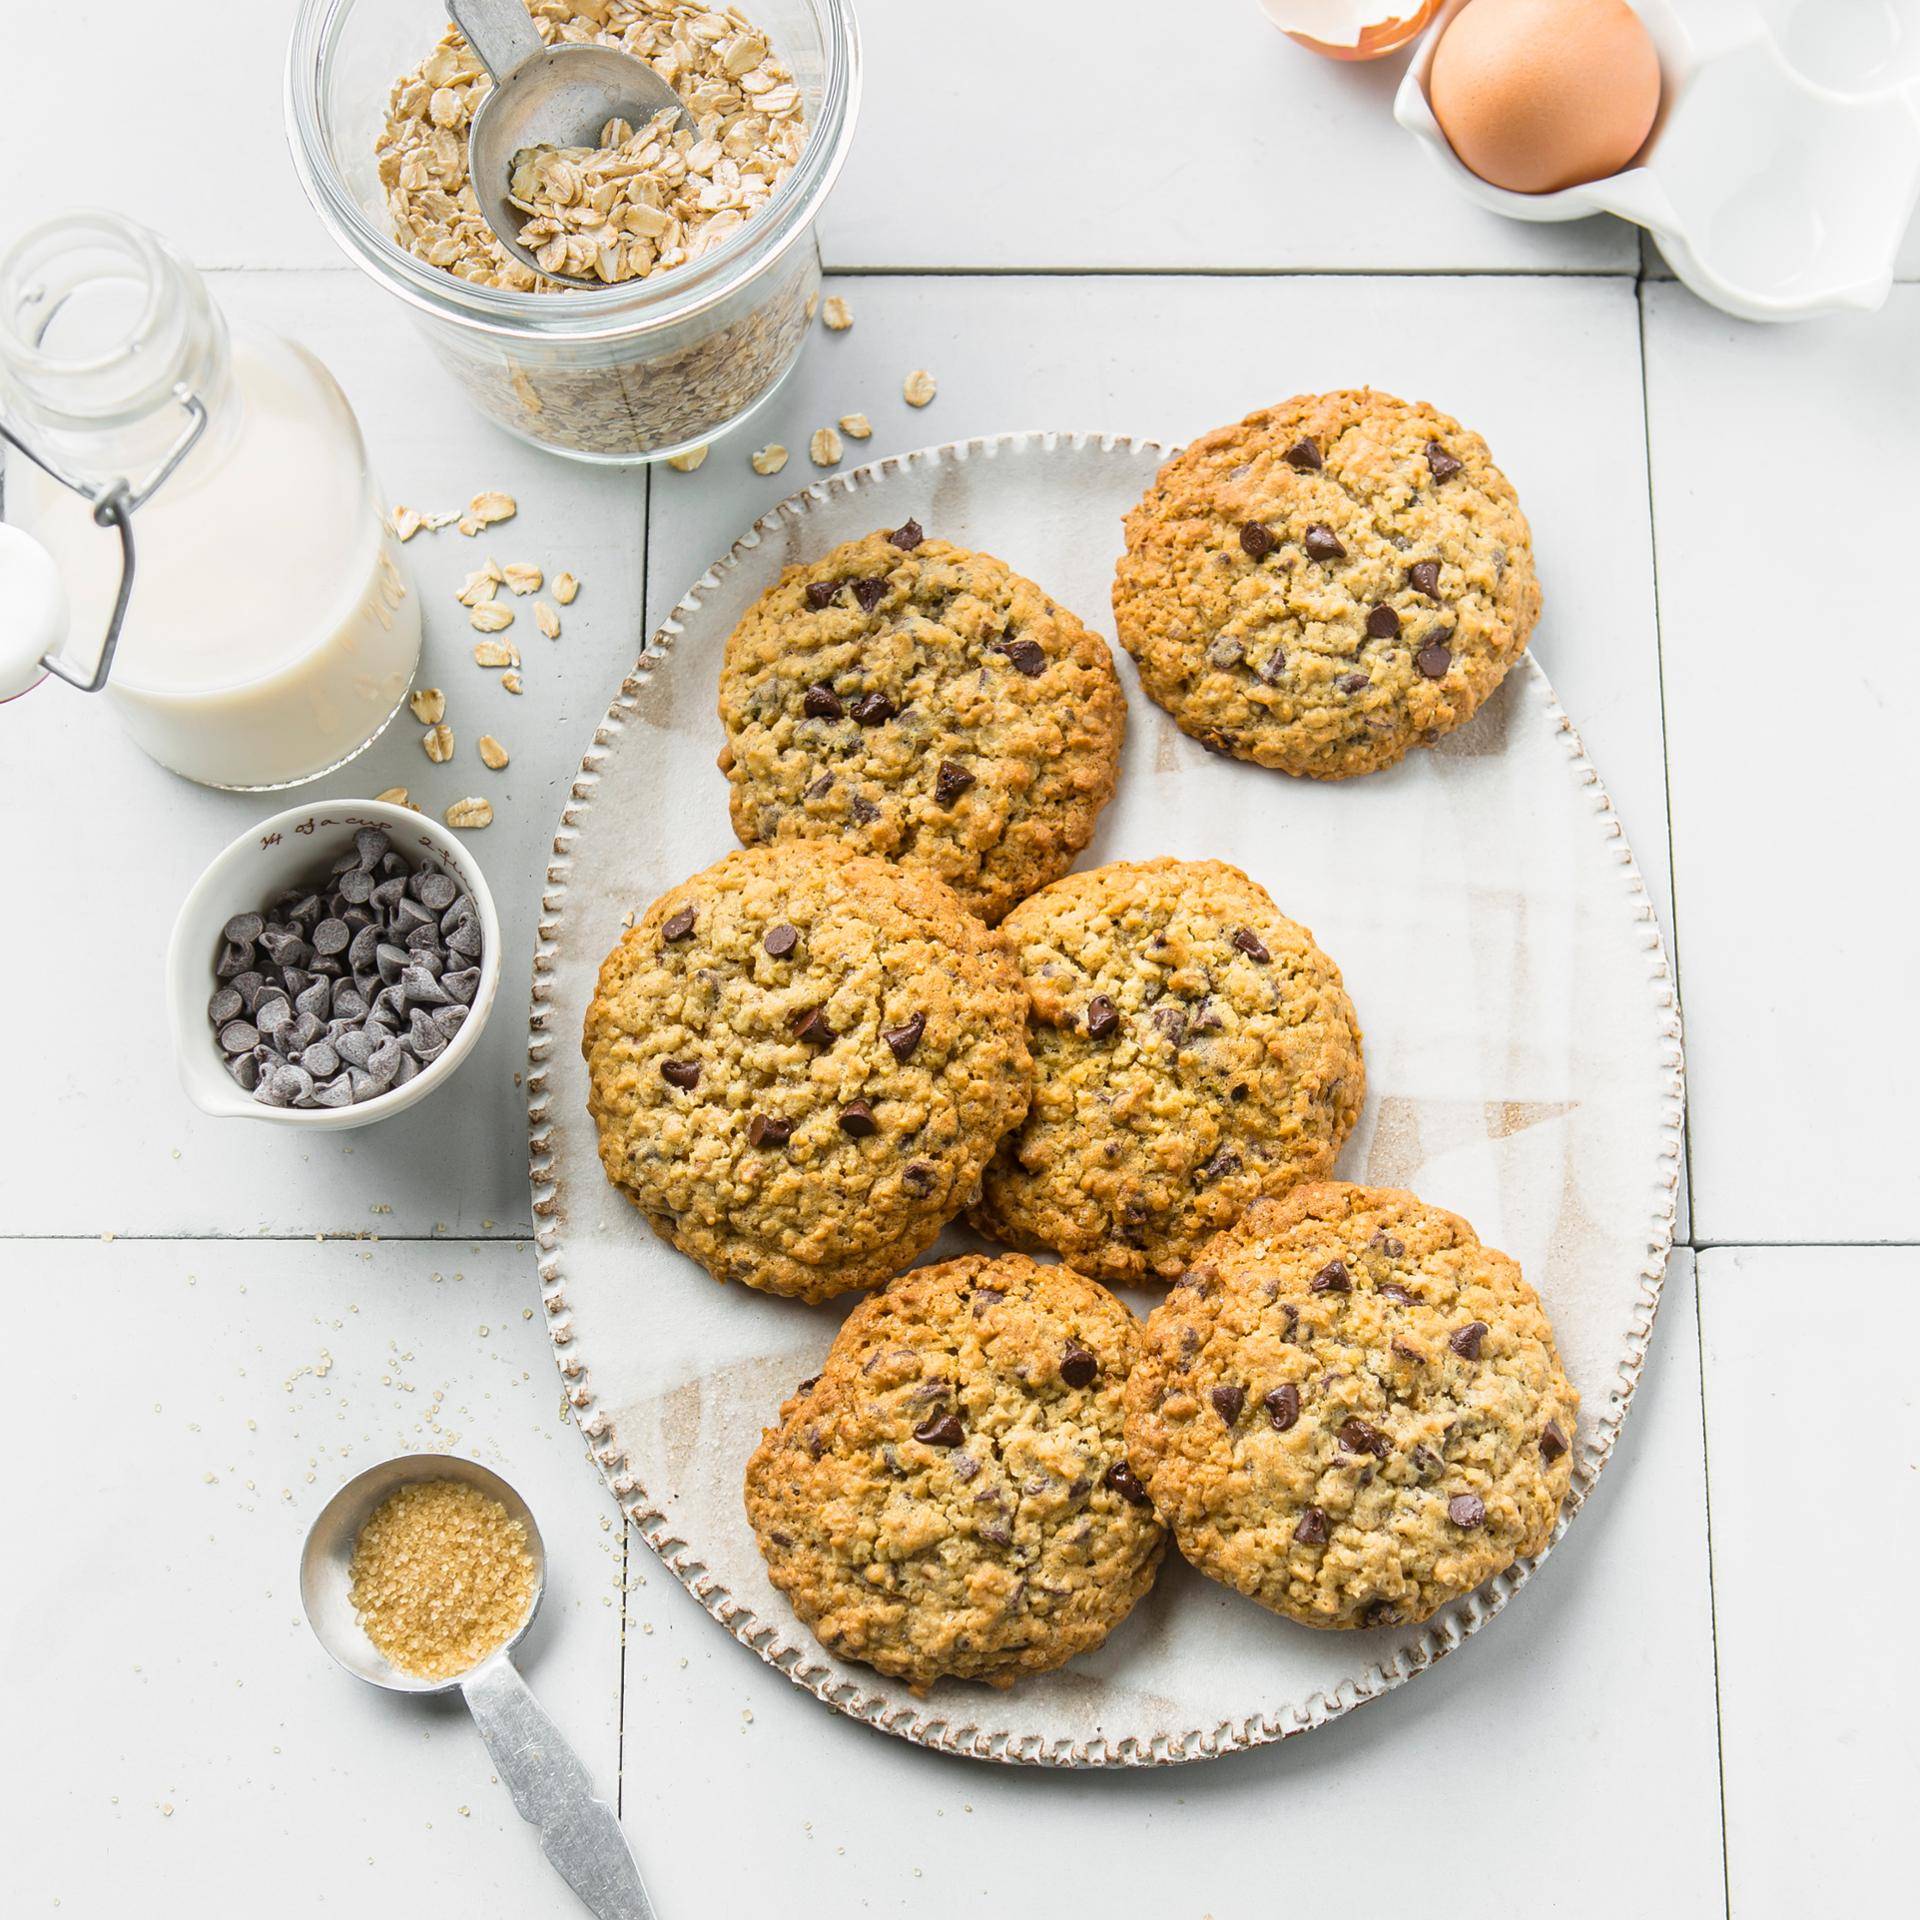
x=1193, y=1050
x=798, y=1063
x=1327, y=584
x=1351, y=1410
x=950, y=1496
x=923, y=702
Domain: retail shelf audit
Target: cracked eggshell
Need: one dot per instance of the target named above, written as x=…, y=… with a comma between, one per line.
x=1351, y=29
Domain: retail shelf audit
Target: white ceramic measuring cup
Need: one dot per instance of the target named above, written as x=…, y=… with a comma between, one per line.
x=552, y=1790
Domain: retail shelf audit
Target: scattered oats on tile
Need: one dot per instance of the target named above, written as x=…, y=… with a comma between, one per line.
x=837, y=314
x=471, y=812
x=824, y=449
x=429, y=704
x=565, y=586
x=492, y=752
x=689, y=462
x=495, y=653
x=407, y=522
x=770, y=459
x=438, y=743
x=920, y=387
x=521, y=577
x=479, y=585
x=546, y=620
x=469, y=525
x=492, y=506
x=439, y=522
x=856, y=426
x=394, y=796
x=511, y=681
x=490, y=617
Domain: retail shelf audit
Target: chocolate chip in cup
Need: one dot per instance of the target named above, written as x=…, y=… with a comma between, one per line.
x=348, y=984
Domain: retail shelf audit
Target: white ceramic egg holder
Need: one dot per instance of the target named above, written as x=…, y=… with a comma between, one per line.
x=1785, y=162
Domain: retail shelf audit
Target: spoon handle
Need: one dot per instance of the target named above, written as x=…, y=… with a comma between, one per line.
x=580, y=1835
x=501, y=32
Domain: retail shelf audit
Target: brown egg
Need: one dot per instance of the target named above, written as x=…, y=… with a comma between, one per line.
x=1536, y=95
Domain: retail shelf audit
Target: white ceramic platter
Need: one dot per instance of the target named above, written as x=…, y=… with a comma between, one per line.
x=1523, y=1061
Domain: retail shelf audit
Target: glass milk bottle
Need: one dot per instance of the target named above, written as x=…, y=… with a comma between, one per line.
x=269, y=631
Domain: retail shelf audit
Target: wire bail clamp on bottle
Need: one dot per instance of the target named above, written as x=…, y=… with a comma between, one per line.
x=114, y=503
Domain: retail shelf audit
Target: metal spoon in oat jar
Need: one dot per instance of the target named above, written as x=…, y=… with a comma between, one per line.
x=368, y=1581
x=542, y=96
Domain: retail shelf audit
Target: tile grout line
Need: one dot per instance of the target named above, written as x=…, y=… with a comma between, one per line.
x=1713, y=1610
x=523, y=1237
x=1666, y=737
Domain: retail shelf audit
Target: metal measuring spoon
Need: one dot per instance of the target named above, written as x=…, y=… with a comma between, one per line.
x=544, y=96
x=579, y=1834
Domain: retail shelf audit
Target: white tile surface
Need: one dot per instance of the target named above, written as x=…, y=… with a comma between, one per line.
x=1125, y=133
x=1171, y=357
x=1785, y=539
x=120, y=824
x=177, y=1741
x=1815, y=1537
x=1567, y=1755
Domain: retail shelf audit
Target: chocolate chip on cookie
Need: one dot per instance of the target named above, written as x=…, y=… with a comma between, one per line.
x=950, y=782
x=907, y=537
x=1304, y=457
x=1467, y=1510
x=681, y=1073
x=1027, y=656
x=1424, y=577
x=1443, y=464
x=1382, y=622
x=1256, y=540
x=1324, y=544
x=1434, y=659
x=869, y=593
x=1102, y=1017
x=1079, y=1366
x=811, y=1029
x=678, y=926
x=1227, y=1402
x=874, y=710
x=820, y=593
x=1465, y=1341
x=1283, y=1407
x=856, y=1118
x=903, y=1039
x=780, y=940
x=763, y=1130
x=820, y=702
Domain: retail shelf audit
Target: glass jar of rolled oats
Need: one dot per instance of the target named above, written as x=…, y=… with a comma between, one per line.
x=704, y=242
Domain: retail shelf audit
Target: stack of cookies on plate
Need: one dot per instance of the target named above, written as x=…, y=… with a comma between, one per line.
x=895, y=1008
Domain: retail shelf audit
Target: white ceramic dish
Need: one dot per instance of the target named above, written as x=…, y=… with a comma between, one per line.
x=1785, y=162
x=265, y=861
x=1523, y=1065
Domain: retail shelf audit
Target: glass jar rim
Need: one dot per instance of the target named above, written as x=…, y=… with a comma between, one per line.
x=584, y=314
